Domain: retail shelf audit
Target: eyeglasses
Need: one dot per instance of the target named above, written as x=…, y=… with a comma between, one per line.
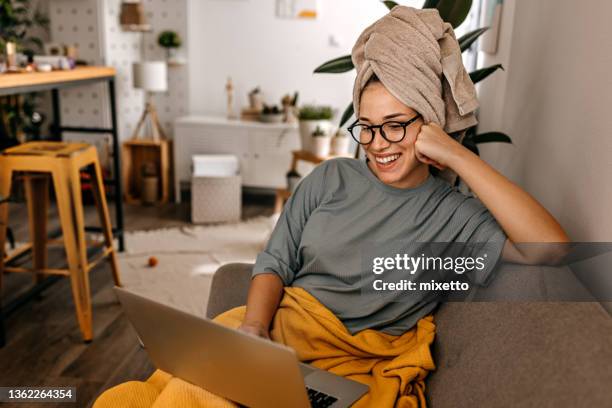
x=392, y=131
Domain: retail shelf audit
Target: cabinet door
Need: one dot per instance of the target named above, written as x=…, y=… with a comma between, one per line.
x=271, y=156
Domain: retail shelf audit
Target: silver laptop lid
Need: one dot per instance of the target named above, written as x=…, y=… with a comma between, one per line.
x=250, y=370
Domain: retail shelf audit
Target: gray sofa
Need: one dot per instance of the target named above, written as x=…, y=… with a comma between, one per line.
x=499, y=354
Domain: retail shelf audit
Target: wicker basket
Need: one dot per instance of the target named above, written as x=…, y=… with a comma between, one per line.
x=216, y=199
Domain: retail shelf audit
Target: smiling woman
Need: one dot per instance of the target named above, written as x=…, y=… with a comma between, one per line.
x=405, y=106
x=345, y=209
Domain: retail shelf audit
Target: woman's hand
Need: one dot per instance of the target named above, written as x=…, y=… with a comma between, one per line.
x=255, y=328
x=435, y=147
x=264, y=296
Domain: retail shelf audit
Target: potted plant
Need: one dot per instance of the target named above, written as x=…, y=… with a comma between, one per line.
x=312, y=117
x=271, y=114
x=170, y=41
x=340, y=143
x=20, y=21
x=321, y=143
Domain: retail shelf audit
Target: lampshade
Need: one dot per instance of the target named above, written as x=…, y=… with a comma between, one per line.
x=150, y=76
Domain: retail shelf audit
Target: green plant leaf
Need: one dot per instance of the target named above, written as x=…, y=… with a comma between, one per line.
x=348, y=112
x=480, y=74
x=468, y=39
x=316, y=112
x=390, y=4
x=430, y=4
x=470, y=133
x=454, y=11
x=492, y=137
x=36, y=41
x=41, y=19
x=336, y=66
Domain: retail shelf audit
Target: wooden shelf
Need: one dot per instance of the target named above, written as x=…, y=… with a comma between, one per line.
x=137, y=152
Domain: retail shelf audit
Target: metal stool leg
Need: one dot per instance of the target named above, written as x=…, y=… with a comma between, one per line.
x=10, y=237
x=5, y=189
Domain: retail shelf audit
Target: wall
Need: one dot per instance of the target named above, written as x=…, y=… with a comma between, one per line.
x=245, y=40
x=554, y=99
x=169, y=15
x=93, y=25
x=79, y=24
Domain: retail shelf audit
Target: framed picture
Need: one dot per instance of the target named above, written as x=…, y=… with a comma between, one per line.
x=306, y=9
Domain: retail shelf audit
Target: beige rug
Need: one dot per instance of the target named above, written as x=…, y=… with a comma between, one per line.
x=187, y=258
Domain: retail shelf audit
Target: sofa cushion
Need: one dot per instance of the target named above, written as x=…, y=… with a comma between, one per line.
x=501, y=354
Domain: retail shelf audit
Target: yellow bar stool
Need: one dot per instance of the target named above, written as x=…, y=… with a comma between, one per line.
x=61, y=163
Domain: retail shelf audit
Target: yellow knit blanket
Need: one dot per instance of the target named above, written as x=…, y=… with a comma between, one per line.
x=394, y=367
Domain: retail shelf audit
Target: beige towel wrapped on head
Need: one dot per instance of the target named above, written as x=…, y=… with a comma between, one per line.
x=417, y=58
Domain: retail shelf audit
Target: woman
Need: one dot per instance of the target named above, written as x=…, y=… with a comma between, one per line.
x=314, y=279
x=411, y=89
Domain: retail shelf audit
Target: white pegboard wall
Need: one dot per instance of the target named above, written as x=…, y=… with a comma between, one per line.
x=121, y=50
x=168, y=15
x=93, y=26
x=77, y=23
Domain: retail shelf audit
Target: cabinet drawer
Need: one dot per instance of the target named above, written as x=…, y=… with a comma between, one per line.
x=212, y=139
x=268, y=170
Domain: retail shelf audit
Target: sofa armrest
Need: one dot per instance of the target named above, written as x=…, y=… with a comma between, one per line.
x=229, y=288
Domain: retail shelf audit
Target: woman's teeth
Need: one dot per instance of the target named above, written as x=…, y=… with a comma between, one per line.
x=387, y=159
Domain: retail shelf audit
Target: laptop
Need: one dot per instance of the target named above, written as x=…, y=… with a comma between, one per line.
x=244, y=368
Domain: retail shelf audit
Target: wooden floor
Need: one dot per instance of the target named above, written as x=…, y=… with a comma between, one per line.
x=44, y=345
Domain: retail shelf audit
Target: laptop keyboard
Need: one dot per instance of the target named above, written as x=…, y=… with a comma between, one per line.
x=319, y=399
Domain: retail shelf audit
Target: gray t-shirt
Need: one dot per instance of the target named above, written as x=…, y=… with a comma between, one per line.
x=341, y=206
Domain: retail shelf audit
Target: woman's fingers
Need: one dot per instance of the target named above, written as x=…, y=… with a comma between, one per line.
x=418, y=146
x=254, y=329
x=433, y=146
x=424, y=159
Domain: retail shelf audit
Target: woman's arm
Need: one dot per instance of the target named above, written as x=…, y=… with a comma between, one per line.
x=522, y=218
x=278, y=263
x=264, y=296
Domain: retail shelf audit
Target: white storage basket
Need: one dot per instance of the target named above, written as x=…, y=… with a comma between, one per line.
x=216, y=199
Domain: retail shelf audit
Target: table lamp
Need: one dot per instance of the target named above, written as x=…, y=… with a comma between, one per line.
x=151, y=77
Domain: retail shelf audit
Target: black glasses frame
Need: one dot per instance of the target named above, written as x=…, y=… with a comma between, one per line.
x=373, y=128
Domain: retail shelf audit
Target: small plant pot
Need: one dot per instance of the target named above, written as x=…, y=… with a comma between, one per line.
x=307, y=128
x=271, y=117
x=340, y=146
x=321, y=146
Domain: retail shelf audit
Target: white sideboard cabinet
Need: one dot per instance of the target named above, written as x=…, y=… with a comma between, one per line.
x=264, y=150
